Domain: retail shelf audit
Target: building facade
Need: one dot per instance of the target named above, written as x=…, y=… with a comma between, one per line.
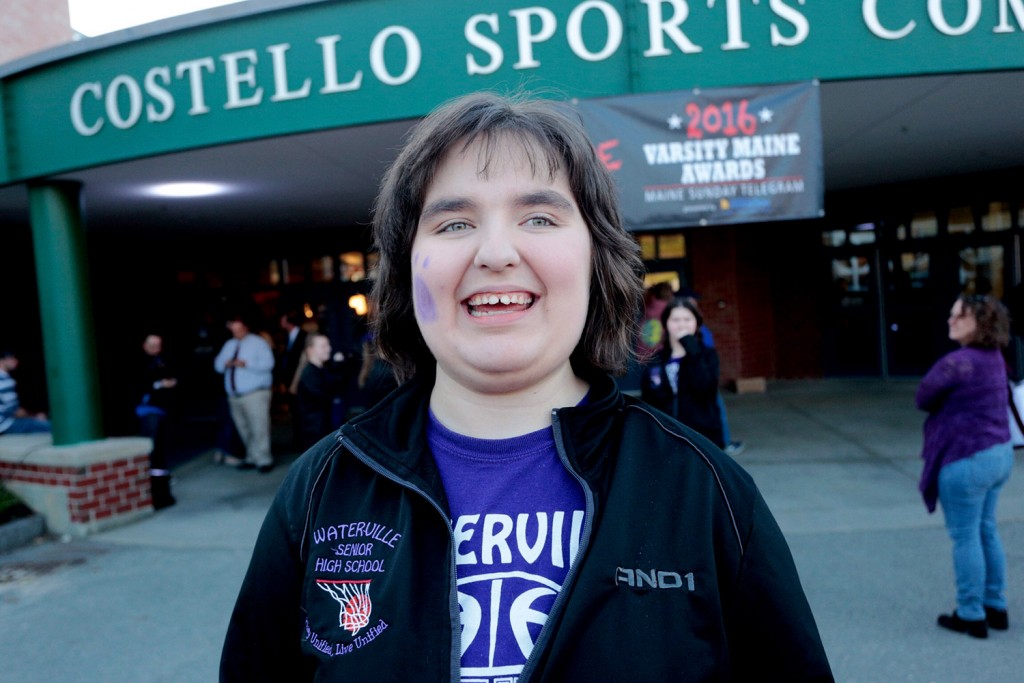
x=29, y=26
x=293, y=108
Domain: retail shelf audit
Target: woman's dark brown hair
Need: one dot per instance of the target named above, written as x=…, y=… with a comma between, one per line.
x=553, y=141
x=992, y=317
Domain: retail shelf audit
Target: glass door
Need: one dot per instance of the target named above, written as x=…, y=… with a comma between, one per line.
x=850, y=330
x=929, y=260
x=917, y=279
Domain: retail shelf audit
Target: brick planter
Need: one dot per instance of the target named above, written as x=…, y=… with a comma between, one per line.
x=81, y=488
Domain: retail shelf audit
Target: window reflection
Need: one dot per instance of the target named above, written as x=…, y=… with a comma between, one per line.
x=671, y=245
x=862, y=237
x=372, y=259
x=353, y=267
x=323, y=269
x=662, y=245
x=924, y=224
x=648, y=247
x=961, y=220
x=912, y=270
x=271, y=274
x=851, y=275
x=833, y=238
x=981, y=271
x=997, y=217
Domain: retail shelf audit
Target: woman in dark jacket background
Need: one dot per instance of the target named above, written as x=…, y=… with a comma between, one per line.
x=321, y=380
x=683, y=379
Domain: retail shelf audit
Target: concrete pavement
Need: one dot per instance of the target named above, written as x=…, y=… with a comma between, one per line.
x=837, y=461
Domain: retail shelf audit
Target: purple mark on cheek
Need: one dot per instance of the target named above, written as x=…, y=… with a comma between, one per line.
x=426, y=310
x=426, y=262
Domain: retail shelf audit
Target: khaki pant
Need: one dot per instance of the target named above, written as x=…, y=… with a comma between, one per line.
x=251, y=415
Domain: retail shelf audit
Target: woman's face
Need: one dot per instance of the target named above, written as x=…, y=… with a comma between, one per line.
x=501, y=270
x=962, y=324
x=681, y=322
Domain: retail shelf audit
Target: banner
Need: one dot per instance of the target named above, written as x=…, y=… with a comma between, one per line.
x=712, y=157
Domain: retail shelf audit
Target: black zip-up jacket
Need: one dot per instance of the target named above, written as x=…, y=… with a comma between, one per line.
x=695, y=404
x=682, y=573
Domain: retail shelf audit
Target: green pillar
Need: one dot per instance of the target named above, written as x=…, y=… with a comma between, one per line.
x=65, y=302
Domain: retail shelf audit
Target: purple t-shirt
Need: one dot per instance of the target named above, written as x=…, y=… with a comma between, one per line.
x=517, y=514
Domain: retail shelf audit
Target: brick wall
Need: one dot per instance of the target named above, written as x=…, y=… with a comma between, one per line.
x=81, y=488
x=754, y=276
x=757, y=294
x=96, y=492
x=712, y=253
x=798, y=296
x=735, y=298
x=28, y=26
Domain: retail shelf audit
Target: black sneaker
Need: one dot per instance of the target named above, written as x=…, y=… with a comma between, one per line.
x=976, y=628
x=997, y=619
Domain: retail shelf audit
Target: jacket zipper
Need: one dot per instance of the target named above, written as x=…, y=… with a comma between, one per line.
x=455, y=659
x=574, y=567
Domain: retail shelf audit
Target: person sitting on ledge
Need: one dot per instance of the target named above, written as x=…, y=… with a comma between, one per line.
x=14, y=419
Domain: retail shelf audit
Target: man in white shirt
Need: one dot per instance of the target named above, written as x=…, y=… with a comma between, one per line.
x=247, y=363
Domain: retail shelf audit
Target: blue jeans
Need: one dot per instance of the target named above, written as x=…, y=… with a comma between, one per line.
x=28, y=425
x=726, y=436
x=968, y=491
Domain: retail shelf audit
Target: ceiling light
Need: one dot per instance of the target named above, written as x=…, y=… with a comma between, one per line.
x=186, y=189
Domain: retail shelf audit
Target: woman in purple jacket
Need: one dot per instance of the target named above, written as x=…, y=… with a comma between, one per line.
x=968, y=456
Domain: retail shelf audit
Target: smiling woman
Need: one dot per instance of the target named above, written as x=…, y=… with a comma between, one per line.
x=497, y=227
x=546, y=524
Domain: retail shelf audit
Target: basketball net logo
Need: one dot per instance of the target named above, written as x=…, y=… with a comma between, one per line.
x=354, y=598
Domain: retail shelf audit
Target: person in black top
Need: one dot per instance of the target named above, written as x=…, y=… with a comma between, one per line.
x=683, y=379
x=321, y=381
x=294, y=344
x=156, y=392
x=286, y=369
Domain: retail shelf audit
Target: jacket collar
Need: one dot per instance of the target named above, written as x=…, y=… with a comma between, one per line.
x=393, y=433
x=586, y=431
